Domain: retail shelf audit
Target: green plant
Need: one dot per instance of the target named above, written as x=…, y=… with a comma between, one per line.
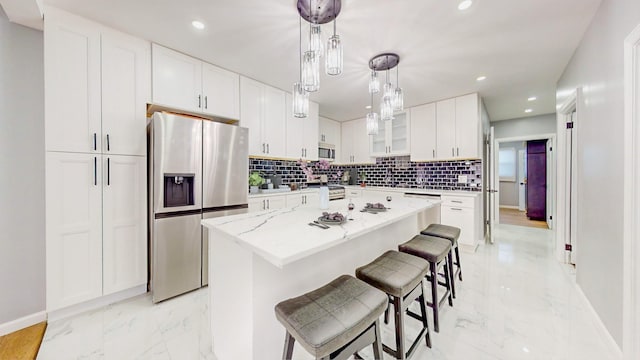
x=255, y=179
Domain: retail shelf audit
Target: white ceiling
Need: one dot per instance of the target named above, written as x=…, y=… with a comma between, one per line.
x=522, y=46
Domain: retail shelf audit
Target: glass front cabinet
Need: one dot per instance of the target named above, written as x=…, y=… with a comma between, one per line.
x=393, y=136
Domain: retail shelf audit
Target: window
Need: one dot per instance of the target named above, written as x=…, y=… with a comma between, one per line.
x=507, y=164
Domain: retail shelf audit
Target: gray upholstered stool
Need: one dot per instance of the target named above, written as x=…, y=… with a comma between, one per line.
x=435, y=250
x=401, y=277
x=334, y=321
x=452, y=234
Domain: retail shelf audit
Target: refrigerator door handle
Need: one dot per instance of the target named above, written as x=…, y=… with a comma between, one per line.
x=95, y=171
x=108, y=171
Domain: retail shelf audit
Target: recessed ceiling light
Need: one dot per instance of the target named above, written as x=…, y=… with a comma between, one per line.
x=368, y=107
x=465, y=4
x=532, y=98
x=197, y=24
x=528, y=110
x=481, y=78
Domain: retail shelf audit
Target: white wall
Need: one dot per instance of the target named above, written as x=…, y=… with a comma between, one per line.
x=597, y=67
x=533, y=125
x=22, y=247
x=510, y=190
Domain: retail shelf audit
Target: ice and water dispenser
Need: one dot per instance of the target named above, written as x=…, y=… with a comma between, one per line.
x=179, y=190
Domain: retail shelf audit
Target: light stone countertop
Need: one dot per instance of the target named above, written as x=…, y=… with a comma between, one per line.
x=415, y=190
x=278, y=193
x=283, y=236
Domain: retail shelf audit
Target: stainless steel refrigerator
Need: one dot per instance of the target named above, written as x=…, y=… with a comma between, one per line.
x=197, y=169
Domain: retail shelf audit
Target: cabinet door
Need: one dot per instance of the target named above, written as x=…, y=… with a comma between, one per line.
x=294, y=200
x=257, y=204
x=124, y=222
x=329, y=131
x=276, y=202
x=378, y=142
x=467, y=126
x=126, y=89
x=347, y=145
x=361, y=143
x=398, y=139
x=177, y=79
x=73, y=228
x=273, y=129
x=221, y=90
x=423, y=132
x=294, y=132
x=310, y=132
x=460, y=217
x=72, y=75
x=312, y=199
x=251, y=114
x=446, y=125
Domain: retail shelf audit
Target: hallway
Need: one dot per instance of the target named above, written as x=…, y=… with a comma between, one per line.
x=510, y=216
x=516, y=302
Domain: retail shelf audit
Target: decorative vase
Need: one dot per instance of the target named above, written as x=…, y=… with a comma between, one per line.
x=324, y=197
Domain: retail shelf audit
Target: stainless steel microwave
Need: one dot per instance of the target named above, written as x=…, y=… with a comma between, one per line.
x=326, y=151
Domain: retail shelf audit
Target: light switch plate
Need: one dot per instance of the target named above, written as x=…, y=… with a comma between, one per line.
x=462, y=179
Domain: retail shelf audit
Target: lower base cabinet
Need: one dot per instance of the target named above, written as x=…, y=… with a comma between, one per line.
x=307, y=199
x=95, y=226
x=267, y=203
x=463, y=213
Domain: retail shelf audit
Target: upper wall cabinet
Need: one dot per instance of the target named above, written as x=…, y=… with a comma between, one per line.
x=459, y=128
x=423, y=132
x=301, y=132
x=183, y=82
x=355, y=143
x=262, y=110
x=97, y=87
x=393, y=136
x=329, y=131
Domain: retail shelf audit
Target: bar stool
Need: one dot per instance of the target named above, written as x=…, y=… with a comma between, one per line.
x=401, y=277
x=334, y=321
x=452, y=234
x=435, y=251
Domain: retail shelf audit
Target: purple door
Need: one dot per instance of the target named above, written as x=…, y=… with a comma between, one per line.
x=537, y=179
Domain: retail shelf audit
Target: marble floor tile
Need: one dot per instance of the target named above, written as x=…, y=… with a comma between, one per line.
x=516, y=302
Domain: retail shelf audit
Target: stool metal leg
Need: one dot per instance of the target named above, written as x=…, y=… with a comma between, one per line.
x=452, y=275
x=399, y=318
x=287, y=353
x=448, y=276
x=458, y=263
x=434, y=295
x=377, y=345
x=423, y=309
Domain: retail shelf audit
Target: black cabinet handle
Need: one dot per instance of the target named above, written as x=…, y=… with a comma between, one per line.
x=263, y=148
x=206, y=103
x=95, y=170
x=199, y=101
x=268, y=204
x=267, y=148
x=95, y=142
x=434, y=153
x=458, y=151
x=108, y=172
x=108, y=143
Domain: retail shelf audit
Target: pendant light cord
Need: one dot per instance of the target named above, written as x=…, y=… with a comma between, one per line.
x=300, y=47
x=397, y=75
x=335, y=17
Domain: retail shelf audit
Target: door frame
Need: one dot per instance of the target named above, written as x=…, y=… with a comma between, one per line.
x=631, y=242
x=553, y=168
x=522, y=190
x=572, y=102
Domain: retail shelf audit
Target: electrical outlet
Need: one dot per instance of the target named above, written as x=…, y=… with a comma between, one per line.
x=462, y=179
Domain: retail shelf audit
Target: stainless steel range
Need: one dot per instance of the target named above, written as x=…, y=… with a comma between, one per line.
x=336, y=192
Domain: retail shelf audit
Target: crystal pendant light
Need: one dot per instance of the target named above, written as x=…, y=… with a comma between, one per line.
x=372, y=120
x=300, y=95
x=315, y=39
x=386, y=109
x=398, y=99
x=374, y=83
x=310, y=71
x=333, y=58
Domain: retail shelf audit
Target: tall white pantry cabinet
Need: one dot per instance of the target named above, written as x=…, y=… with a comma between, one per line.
x=97, y=85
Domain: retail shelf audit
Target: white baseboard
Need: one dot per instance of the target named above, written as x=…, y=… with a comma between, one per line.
x=23, y=322
x=509, y=207
x=96, y=303
x=604, y=333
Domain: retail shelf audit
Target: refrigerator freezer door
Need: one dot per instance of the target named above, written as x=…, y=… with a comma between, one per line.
x=176, y=256
x=177, y=154
x=205, y=238
x=225, y=165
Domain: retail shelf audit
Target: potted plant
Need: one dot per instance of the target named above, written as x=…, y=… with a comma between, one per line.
x=363, y=178
x=255, y=180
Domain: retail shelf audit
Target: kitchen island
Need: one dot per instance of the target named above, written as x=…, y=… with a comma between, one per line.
x=259, y=259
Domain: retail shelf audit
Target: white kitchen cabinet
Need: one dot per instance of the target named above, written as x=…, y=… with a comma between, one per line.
x=423, y=132
x=464, y=213
x=267, y=203
x=393, y=136
x=329, y=131
x=305, y=199
x=468, y=127
x=124, y=215
x=355, y=143
x=98, y=85
x=446, y=125
x=221, y=91
x=73, y=228
x=353, y=193
x=301, y=132
x=458, y=128
x=187, y=83
x=262, y=110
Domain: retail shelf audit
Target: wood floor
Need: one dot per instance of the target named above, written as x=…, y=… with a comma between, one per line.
x=517, y=217
x=22, y=344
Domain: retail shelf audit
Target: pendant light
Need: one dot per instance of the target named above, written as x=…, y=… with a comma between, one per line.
x=315, y=39
x=386, y=107
x=374, y=83
x=333, y=58
x=398, y=99
x=372, y=120
x=310, y=71
x=300, y=95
